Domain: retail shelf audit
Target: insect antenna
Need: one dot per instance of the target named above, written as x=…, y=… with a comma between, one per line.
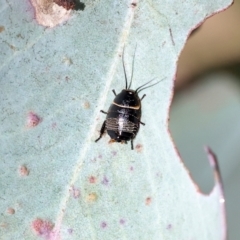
x=139, y=89
x=124, y=68
x=132, y=67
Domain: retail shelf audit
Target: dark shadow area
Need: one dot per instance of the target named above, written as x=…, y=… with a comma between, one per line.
x=71, y=4
x=79, y=6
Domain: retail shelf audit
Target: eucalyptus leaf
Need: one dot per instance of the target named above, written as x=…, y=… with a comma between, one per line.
x=56, y=76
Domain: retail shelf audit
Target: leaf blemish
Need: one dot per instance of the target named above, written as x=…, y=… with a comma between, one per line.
x=133, y=4
x=67, y=80
x=139, y=148
x=48, y=13
x=11, y=211
x=2, y=28
x=170, y=31
x=91, y=197
x=75, y=192
x=54, y=125
x=103, y=224
x=105, y=181
x=93, y=160
x=86, y=105
x=148, y=201
x=92, y=179
x=67, y=61
x=33, y=119
x=169, y=226
x=23, y=171
x=42, y=228
x=122, y=221
x=114, y=153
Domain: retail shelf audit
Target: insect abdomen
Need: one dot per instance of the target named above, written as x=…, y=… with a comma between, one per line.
x=121, y=125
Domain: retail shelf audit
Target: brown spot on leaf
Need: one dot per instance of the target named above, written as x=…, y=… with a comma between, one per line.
x=148, y=201
x=2, y=28
x=42, y=227
x=139, y=148
x=133, y=4
x=33, y=119
x=91, y=197
x=23, y=171
x=86, y=105
x=11, y=211
x=92, y=179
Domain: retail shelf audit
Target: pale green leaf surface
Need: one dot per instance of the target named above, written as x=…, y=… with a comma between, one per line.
x=65, y=75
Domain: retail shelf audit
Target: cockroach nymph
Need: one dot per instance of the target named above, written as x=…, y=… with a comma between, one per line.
x=124, y=114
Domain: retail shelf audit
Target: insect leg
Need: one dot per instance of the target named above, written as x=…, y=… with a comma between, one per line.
x=132, y=144
x=114, y=92
x=144, y=95
x=102, y=130
x=103, y=112
x=142, y=123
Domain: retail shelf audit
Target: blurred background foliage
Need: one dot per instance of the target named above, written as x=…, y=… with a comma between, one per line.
x=206, y=106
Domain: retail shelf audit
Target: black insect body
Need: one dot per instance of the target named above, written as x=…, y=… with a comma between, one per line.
x=124, y=114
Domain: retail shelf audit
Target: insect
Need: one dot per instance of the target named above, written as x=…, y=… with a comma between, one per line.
x=124, y=114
